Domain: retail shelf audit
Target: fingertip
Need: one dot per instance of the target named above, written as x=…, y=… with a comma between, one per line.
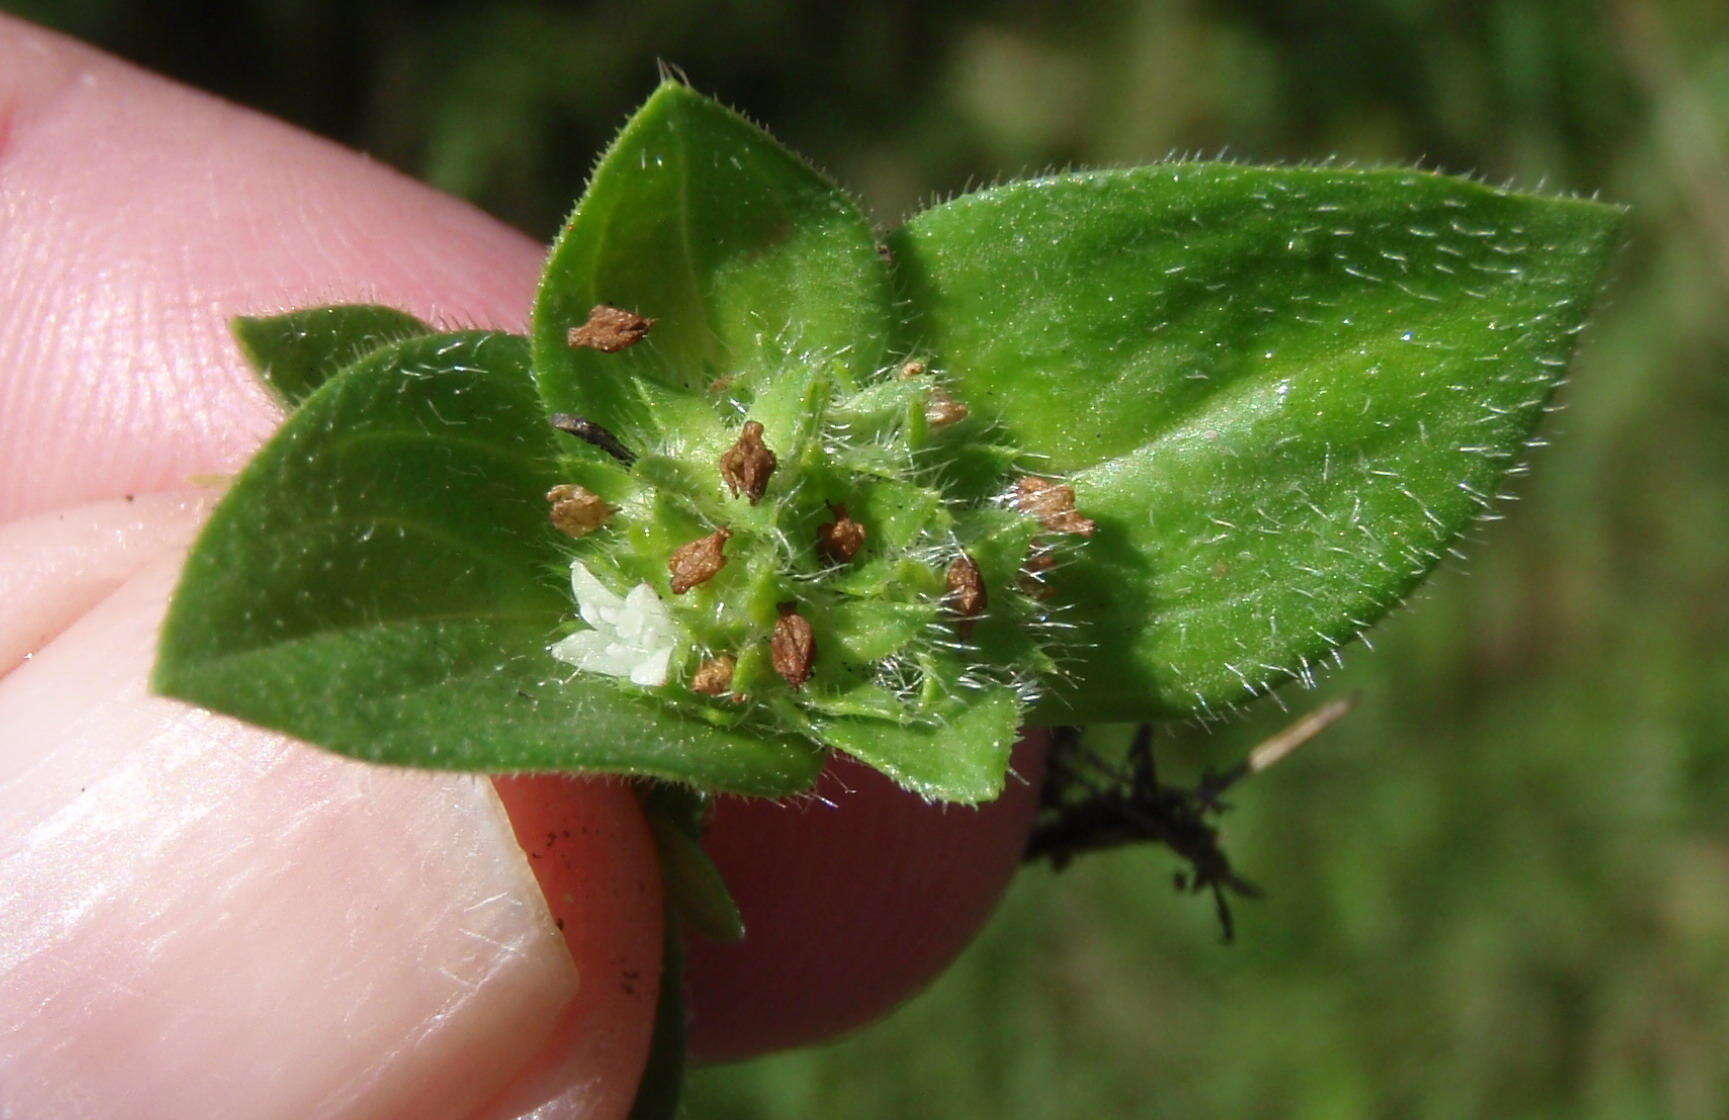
x=594, y=857
x=851, y=903
x=140, y=217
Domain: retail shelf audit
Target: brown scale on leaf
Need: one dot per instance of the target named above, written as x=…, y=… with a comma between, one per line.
x=792, y=646
x=966, y=595
x=576, y=510
x=714, y=676
x=942, y=410
x=747, y=464
x=698, y=561
x=839, y=540
x=609, y=329
x=1053, y=503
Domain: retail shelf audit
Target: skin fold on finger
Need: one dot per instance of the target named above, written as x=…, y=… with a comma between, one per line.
x=117, y=376
x=55, y=566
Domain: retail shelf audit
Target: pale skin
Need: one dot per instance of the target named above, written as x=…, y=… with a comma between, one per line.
x=200, y=918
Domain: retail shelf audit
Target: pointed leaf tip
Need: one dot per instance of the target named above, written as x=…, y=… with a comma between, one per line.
x=1280, y=393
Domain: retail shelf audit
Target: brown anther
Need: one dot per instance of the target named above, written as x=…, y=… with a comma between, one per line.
x=792, y=647
x=966, y=589
x=914, y=368
x=698, y=561
x=1053, y=503
x=839, y=540
x=714, y=676
x=577, y=510
x=941, y=409
x=609, y=329
x=747, y=464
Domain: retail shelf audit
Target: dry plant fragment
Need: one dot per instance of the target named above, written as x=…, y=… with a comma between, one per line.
x=577, y=510
x=792, y=647
x=966, y=589
x=1301, y=731
x=1053, y=503
x=698, y=561
x=714, y=676
x=747, y=464
x=593, y=434
x=609, y=329
x=839, y=540
x=941, y=409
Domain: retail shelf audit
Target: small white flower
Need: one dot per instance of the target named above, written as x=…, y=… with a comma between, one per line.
x=633, y=636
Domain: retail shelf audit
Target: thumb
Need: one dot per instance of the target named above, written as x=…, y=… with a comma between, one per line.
x=200, y=919
x=196, y=917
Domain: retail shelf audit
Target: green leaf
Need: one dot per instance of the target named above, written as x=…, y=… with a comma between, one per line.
x=694, y=888
x=1282, y=394
x=748, y=261
x=382, y=580
x=297, y=352
x=662, y=1084
x=961, y=755
x=694, y=885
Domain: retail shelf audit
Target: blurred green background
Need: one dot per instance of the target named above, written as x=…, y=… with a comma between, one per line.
x=1501, y=887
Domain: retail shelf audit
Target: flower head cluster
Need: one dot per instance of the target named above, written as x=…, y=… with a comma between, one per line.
x=844, y=570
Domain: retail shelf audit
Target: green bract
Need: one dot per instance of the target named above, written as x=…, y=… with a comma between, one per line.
x=1104, y=446
x=297, y=352
x=751, y=263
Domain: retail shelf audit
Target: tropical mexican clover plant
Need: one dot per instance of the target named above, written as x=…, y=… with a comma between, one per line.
x=758, y=486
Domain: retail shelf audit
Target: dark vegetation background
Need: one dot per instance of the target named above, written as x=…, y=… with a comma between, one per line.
x=1501, y=888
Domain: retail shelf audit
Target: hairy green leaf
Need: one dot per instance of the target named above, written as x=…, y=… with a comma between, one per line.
x=1280, y=393
x=297, y=352
x=382, y=580
x=750, y=263
x=961, y=756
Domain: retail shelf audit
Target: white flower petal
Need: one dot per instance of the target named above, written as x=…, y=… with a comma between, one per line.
x=594, y=602
x=644, y=618
x=584, y=649
x=651, y=670
x=633, y=636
